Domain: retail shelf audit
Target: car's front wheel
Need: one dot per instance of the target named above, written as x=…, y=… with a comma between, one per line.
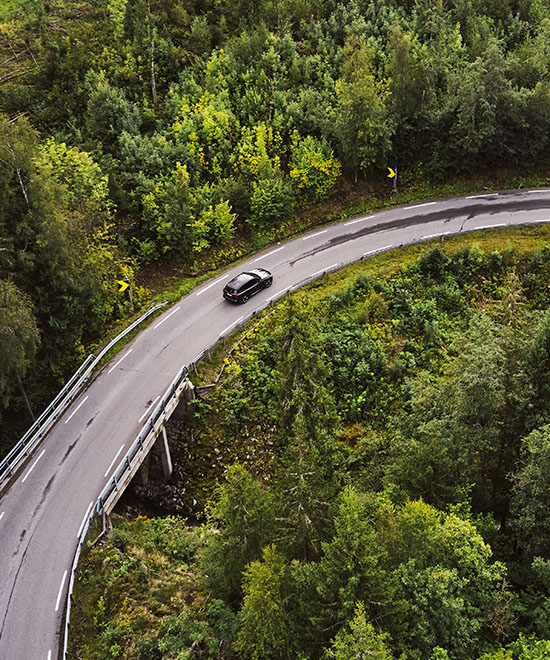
x=268, y=283
x=244, y=299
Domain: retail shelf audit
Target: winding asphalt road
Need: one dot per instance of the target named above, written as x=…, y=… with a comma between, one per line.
x=44, y=509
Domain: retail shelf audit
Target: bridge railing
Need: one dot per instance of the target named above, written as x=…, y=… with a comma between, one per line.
x=128, y=465
x=123, y=474
x=133, y=458
x=19, y=453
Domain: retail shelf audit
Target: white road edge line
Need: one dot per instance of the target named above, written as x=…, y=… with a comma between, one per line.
x=220, y=279
x=58, y=601
x=538, y=191
x=148, y=409
x=352, y=222
x=230, y=326
x=166, y=318
x=382, y=249
x=306, y=238
x=482, y=195
x=50, y=654
x=269, y=254
x=2, y=515
x=490, y=226
x=441, y=233
x=275, y=295
x=33, y=466
x=122, y=358
x=418, y=206
x=84, y=519
x=113, y=461
x=544, y=220
x=324, y=270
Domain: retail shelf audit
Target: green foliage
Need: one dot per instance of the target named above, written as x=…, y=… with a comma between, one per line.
x=162, y=127
x=19, y=336
x=169, y=212
x=214, y=226
x=531, y=493
x=362, y=126
x=78, y=172
x=109, y=112
x=242, y=519
x=314, y=169
x=524, y=648
x=448, y=598
x=305, y=403
x=58, y=247
x=353, y=566
x=266, y=626
x=454, y=428
x=359, y=640
x=369, y=521
x=117, y=12
x=271, y=200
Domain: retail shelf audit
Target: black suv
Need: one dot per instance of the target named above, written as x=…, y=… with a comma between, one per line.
x=240, y=288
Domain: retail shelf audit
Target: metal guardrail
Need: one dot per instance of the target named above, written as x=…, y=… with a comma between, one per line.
x=27, y=442
x=127, y=467
x=123, y=474
x=41, y=426
x=142, y=444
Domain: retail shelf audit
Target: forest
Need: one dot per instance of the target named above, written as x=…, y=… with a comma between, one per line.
x=373, y=465
x=384, y=493
x=136, y=134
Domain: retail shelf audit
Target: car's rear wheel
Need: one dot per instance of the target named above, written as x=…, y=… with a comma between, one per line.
x=244, y=299
x=268, y=283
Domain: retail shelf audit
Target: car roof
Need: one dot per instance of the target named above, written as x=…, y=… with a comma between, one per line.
x=241, y=279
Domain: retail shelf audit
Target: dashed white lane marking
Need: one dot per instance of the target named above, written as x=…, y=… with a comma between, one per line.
x=269, y=254
x=50, y=654
x=306, y=238
x=220, y=279
x=76, y=409
x=113, y=461
x=148, y=409
x=481, y=195
x=84, y=519
x=165, y=318
x=382, y=249
x=58, y=601
x=122, y=358
x=33, y=466
x=352, y=222
x=324, y=269
x=502, y=224
x=232, y=325
x=418, y=206
x=2, y=515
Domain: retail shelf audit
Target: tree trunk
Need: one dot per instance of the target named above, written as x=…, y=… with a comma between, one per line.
x=153, y=80
x=24, y=395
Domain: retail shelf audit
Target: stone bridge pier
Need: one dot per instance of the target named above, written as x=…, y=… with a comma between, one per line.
x=160, y=451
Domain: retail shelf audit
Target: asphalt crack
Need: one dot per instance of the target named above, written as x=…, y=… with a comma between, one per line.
x=468, y=212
